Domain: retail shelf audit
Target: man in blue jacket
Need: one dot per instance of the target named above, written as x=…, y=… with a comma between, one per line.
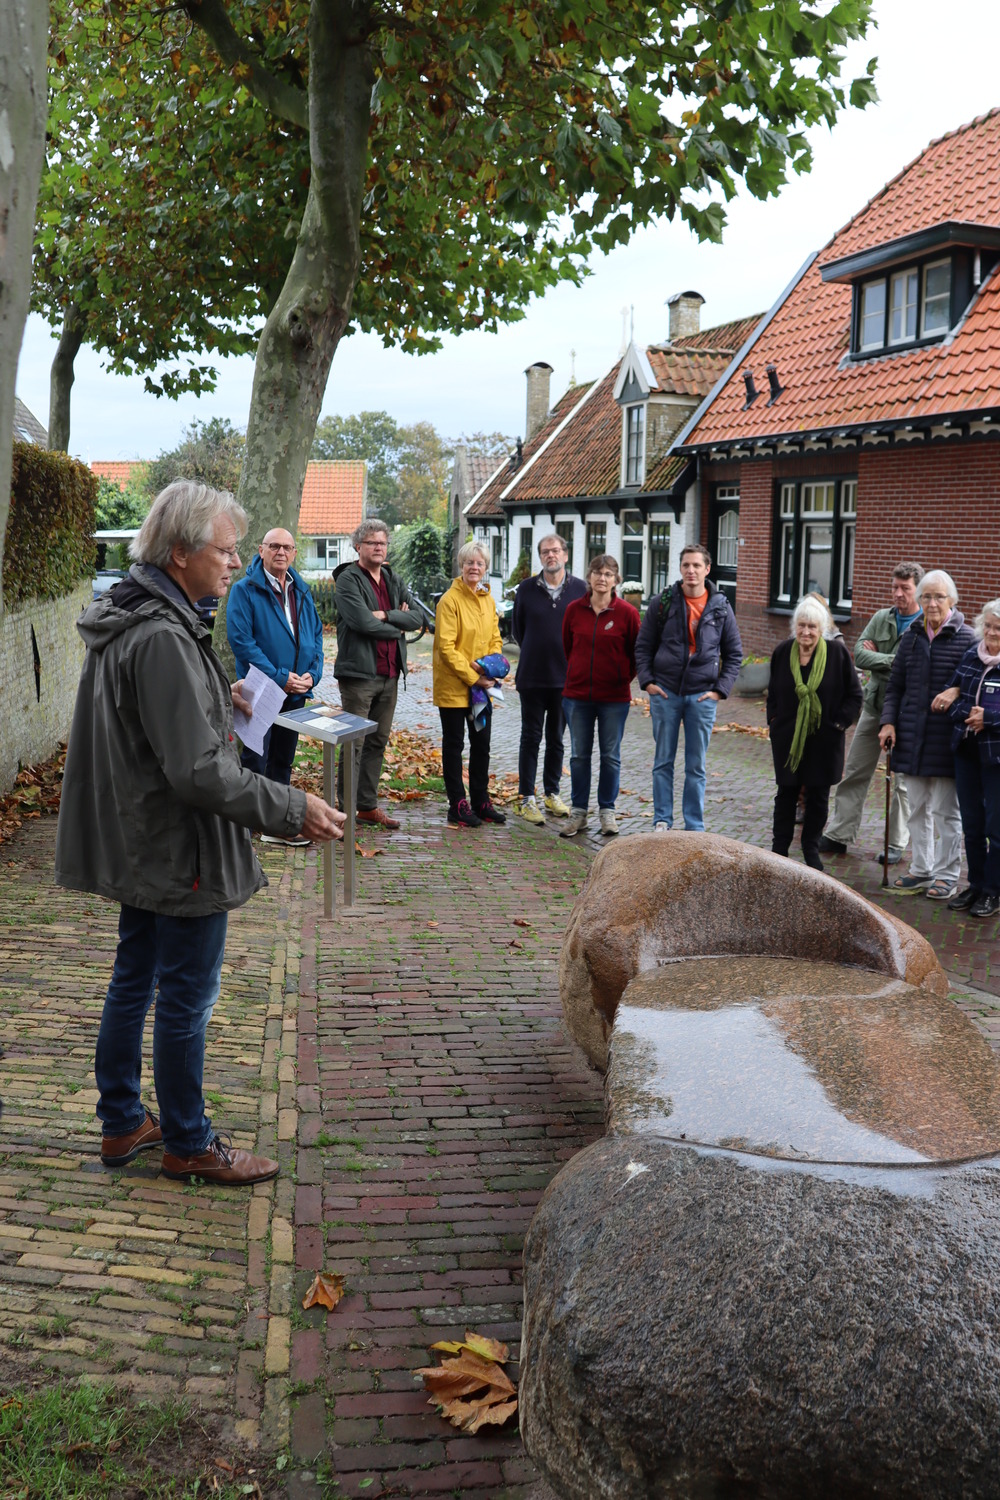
x=687, y=656
x=272, y=624
x=539, y=606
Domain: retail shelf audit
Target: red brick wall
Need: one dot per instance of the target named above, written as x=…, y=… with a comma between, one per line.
x=938, y=505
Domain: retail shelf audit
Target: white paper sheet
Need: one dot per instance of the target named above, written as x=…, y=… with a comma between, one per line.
x=267, y=698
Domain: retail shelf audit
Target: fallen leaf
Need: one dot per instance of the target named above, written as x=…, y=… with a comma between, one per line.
x=326, y=1291
x=515, y=943
x=368, y=853
x=432, y=924
x=521, y=922
x=469, y=1387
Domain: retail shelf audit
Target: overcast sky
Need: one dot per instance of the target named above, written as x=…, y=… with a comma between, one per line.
x=937, y=66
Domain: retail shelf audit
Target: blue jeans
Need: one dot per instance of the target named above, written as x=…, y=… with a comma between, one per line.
x=278, y=756
x=610, y=720
x=179, y=961
x=698, y=717
x=978, y=788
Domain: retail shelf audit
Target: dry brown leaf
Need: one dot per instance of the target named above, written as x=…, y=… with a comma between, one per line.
x=469, y=1386
x=326, y=1291
x=521, y=922
x=515, y=943
x=368, y=853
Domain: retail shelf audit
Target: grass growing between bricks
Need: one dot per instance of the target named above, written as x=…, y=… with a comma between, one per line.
x=94, y=1442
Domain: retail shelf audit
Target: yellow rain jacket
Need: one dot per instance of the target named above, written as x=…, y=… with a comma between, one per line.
x=465, y=628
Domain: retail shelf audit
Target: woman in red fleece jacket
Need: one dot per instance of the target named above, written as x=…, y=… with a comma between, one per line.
x=599, y=634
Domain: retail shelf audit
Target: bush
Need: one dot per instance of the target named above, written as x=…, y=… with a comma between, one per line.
x=49, y=545
x=324, y=596
x=521, y=569
x=421, y=554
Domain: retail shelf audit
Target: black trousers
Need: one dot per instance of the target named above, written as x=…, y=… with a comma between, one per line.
x=541, y=707
x=454, y=722
x=817, y=803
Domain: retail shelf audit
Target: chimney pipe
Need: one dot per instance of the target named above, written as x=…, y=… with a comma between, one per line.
x=685, y=314
x=538, y=376
x=774, y=383
x=752, y=391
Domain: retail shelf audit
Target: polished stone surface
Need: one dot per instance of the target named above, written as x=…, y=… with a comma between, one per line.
x=802, y=1060
x=678, y=895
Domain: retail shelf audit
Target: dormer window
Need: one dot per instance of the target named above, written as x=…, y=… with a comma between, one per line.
x=635, y=444
x=904, y=307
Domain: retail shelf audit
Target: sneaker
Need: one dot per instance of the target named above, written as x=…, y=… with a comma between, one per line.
x=118, y=1150
x=609, y=823
x=557, y=807
x=487, y=813
x=941, y=890
x=661, y=828
x=895, y=855
x=909, y=885
x=964, y=899
x=463, y=815
x=831, y=846
x=220, y=1162
x=576, y=824
x=528, y=810
x=986, y=906
x=297, y=841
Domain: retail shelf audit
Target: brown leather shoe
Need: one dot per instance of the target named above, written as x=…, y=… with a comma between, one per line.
x=376, y=815
x=221, y=1163
x=118, y=1150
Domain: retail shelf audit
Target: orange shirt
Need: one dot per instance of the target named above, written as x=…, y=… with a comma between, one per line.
x=695, y=610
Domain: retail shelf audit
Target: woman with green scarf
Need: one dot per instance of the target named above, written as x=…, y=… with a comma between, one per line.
x=813, y=697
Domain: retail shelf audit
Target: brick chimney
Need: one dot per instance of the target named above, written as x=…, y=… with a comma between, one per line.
x=538, y=376
x=685, y=314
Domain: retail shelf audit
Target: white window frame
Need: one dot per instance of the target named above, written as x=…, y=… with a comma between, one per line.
x=879, y=342
x=634, y=444
x=934, y=265
x=811, y=506
x=903, y=278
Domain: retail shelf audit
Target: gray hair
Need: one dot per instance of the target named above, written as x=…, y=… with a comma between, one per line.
x=810, y=608
x=553, y=536
x=908, y=570
x=369, y=528
x=470, y=550
x=992, y=609
x=943, y=579
x=184, y=514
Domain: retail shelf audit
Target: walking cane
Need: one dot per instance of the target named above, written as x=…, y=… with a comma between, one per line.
x=888, y=800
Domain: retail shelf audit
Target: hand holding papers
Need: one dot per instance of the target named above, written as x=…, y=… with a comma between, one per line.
x=265, y=698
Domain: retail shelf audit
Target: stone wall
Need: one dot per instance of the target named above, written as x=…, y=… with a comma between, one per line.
x=34, y=718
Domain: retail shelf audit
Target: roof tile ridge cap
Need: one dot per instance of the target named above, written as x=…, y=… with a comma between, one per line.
x=520, y=473
x=910, y=165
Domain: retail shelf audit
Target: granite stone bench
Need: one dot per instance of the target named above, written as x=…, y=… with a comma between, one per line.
x=778, y=1275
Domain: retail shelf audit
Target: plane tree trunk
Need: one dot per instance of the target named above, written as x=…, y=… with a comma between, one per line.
x=61, y=379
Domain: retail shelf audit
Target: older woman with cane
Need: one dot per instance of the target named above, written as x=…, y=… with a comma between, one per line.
x=813, y=697
x=972, y=701
x=923, y=667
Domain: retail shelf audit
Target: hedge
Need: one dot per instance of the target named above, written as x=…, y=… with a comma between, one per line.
x=324, y=594
x=49, y=545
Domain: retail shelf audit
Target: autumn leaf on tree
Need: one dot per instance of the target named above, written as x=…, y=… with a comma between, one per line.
x=469, y=1386
x=326, y=1291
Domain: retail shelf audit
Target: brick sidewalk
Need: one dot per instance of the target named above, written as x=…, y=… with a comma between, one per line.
x=409, y=1069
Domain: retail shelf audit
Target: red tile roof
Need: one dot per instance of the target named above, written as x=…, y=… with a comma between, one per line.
x=581, y=458
x=955, y=178
x=119, y=473
x=333, y=496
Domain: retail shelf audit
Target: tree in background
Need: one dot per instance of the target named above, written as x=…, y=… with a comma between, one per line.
x=422, y=478
x=407, y=466
x=118, y=509
x=23, y=26
x=465, y=156
x=496, y=445
x=211, y=452
x=421, y=553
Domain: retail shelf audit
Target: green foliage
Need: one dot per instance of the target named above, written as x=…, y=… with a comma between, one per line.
x=421, y=554
x=211, y=452
x=408, y=467
x=324, y=596
x=120, y=509
x=521, y=569
x=49, y=545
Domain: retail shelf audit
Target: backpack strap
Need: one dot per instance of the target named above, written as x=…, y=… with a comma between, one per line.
x=665, y=600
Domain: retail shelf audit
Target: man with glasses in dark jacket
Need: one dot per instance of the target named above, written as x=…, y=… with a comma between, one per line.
x=687, y=657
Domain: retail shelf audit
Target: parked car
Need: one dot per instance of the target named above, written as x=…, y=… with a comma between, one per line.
x=106, y=578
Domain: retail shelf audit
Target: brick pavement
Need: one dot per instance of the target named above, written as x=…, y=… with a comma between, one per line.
x=410, y=1070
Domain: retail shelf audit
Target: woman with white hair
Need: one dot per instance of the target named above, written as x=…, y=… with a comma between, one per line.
x=920, y=738
x=813, y=697
x=972, y=702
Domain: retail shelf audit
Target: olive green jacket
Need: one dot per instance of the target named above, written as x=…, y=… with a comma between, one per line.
x=881, y=630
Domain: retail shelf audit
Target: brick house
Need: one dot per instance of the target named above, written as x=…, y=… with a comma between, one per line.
x=858, y=424
x=597, y=468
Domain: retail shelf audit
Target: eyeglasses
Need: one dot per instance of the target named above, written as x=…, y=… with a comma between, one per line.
x=280, y=546
x=941, y=598
x=373, y=544
x=229, y=553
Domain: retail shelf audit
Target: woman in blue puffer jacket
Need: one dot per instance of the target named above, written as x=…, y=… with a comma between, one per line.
x=972, y=700
x=921, y=739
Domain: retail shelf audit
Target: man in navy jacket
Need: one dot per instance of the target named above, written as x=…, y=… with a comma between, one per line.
x=539, y=606
x=272, y=624
x=687, y=657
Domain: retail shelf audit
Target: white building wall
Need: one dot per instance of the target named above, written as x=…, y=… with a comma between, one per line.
x=546, y=522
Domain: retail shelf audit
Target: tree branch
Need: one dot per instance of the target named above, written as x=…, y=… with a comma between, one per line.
x=281, y=98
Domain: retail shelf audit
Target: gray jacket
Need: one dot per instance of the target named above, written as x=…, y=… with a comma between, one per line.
x=156, y=807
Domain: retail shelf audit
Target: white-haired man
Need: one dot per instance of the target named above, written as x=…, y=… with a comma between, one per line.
x=156, y=815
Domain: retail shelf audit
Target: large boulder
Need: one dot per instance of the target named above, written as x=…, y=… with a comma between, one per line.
x=779, y=1274
x=678, y=895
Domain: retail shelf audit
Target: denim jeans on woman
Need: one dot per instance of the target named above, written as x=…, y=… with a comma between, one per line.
x=609, y=718
x=177, y=960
